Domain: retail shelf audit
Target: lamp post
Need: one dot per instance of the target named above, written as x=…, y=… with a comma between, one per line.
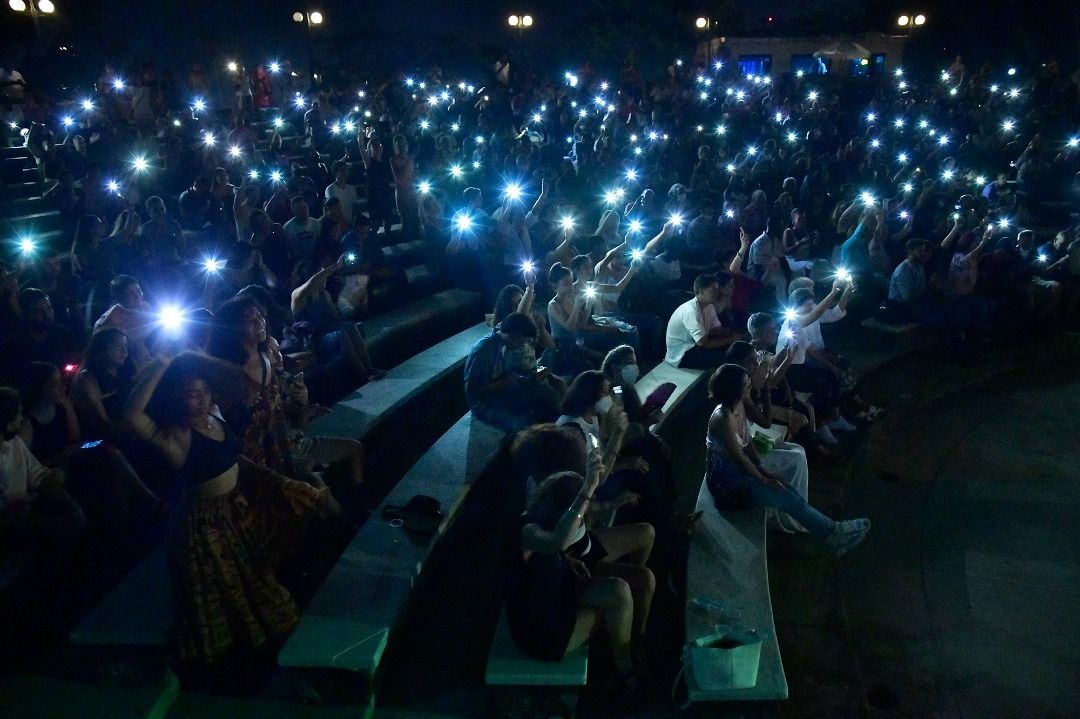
x=705, y=24
x=35, y=8
x=908, y=23
x=313, y=17
x=521, y=23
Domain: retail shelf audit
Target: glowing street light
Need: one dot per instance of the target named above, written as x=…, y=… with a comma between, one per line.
x=308, y=19
x=521, y=23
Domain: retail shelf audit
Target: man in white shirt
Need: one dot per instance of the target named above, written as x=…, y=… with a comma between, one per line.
x=302, y=230
x=342, y=190
x=695, y=337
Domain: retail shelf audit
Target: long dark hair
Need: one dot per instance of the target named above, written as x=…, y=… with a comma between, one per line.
x=583, y=392
x=32, y=379
x=550, y=498
x=167, y=406
x=227, y=330
x=503, y=306
x=93, y=360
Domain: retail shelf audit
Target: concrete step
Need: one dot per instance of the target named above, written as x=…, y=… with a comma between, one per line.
x=36, y=222
x=397, y=334
x=402, y=251
x=18, y=162
x=23, y=206
x=19, y=151
x=21, y=189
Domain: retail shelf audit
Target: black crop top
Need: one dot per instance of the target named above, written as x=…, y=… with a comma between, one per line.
x=208, y=458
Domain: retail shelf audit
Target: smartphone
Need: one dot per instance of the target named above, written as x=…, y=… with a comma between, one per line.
x=91, y=444
x=540, y=369
x=617, y=390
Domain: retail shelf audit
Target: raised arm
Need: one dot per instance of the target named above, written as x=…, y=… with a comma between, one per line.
x=536, y=539
x=314, y=284
x=135, y=414
x=820, y=308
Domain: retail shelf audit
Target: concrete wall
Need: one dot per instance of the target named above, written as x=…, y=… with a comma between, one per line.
x=781, y=49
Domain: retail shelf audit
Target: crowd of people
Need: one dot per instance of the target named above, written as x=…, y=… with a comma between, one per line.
x=702, y=217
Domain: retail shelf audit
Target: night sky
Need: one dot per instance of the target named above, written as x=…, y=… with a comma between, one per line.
x=464, y=35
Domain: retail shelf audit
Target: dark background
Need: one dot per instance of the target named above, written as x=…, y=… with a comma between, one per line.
x=463, y=36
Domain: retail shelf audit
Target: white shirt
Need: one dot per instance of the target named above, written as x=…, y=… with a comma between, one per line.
x=687, y=326
x=590, y=431
x=346, y=194
x=808, y=336
x=303, y=236
x=20, y=472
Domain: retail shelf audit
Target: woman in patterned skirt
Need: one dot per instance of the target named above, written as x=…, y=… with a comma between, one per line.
x=238, y=520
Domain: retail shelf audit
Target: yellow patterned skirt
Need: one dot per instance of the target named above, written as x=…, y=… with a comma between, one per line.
x=224, y=555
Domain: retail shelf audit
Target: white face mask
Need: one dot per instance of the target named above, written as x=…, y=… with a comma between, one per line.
x=604, y=404
x=630, y=373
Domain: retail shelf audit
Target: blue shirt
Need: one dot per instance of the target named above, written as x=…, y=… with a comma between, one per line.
x=855, y=252
x=908, y=282
x=485, y=363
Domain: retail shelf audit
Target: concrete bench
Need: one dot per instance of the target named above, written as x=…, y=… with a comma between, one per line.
x=509, y=666
x=136, y=612
x=363, y=411
x=348, y=623
x=728, y=563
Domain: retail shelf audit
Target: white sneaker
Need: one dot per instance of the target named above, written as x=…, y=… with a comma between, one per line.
x=842, y=425
x=848, y=534
x=825, y=435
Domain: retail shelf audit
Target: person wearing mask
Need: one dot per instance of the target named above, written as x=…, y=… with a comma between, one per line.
x=499, y=391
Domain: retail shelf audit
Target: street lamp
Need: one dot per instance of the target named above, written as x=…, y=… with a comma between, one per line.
x=910, y=22
x=705, y=23
x=35, y=8
x=313, y=17
x=521, y=23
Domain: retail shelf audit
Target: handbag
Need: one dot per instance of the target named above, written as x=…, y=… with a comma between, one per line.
x=420, y=515
x=725, y=660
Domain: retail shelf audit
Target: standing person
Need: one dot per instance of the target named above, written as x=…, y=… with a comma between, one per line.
x=342, y=190
x=695, y=337
x=380, y=181
x=403, y=166
x=238, y=336
x=239, y=520
x=302, y=230
x=130, y=313
x=737, y=478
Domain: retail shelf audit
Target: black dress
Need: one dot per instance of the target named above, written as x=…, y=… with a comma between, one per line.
x=541, y=599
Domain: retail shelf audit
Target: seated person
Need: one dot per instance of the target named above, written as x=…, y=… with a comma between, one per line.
x=345, y=457
x=738, y=479
x=326, y=334
x=499, y=391
x=577, y=302
x=554, y=603
x=36, y=337
x=130, y=313
x=101, y=385
x=51, y=429
x=35, y=511
x=910, y=297
x=695, y=337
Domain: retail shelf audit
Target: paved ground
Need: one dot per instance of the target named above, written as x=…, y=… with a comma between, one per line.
x=963, y=602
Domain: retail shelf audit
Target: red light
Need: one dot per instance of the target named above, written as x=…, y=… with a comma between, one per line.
x=70, y=368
